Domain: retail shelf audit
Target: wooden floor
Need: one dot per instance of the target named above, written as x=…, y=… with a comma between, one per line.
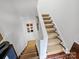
x=57, y=56
x=30, y=51
x=75, y=48
x=62, y=55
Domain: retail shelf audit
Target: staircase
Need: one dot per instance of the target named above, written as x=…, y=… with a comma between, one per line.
x=54, y=41
x=30, y=51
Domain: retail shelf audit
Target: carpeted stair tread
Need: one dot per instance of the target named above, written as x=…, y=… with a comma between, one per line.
x=52, y=35
x=45, y=15
x=47, y=21
x=49, y=30
x=54, y=49
x=46, y=18
x=53, y=42
x=49, y=25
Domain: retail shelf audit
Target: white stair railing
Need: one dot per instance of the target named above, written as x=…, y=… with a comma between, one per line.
x=43, y=37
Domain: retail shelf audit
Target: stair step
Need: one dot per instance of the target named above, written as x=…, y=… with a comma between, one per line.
x=24, y=57
x=46, y=18
x=45, y=15
x=34, y=57
x=29, y=55
x=29, y=51
x=52, y=35
x=47, y=21
x=49, y=25
x=53, y=42
x=54, y=49
x=50, y=30
x=30, y=48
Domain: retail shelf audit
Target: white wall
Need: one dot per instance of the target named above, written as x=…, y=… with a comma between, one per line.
x=11, y=23
x=43, y=38
x=30, y=35
x=65, y=14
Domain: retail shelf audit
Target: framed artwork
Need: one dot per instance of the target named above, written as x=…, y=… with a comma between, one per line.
x=29, y=27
